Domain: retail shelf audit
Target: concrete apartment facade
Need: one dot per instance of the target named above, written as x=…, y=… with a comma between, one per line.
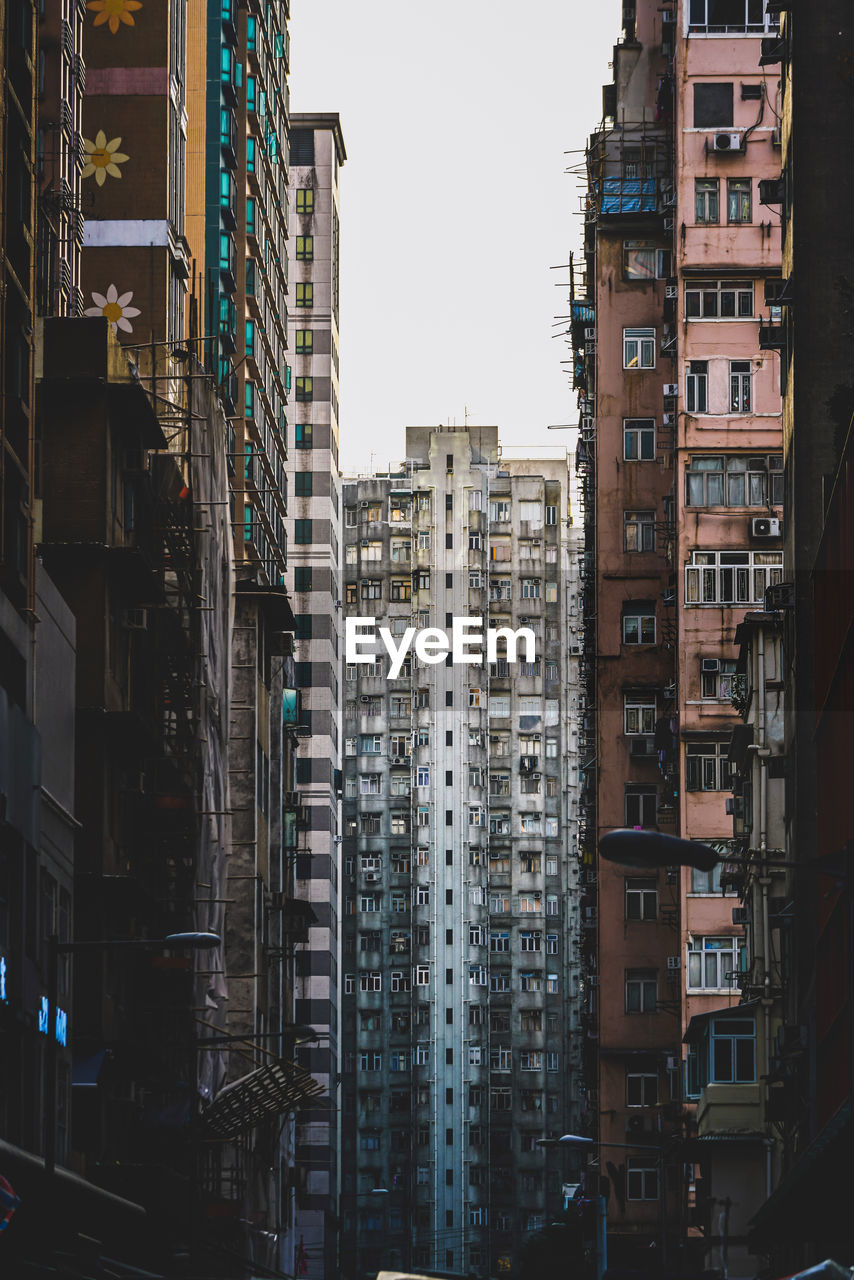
x=460, y=899
x=681, y=455
x=314, y=580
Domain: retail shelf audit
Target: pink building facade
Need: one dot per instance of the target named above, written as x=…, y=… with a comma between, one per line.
x=681, y=457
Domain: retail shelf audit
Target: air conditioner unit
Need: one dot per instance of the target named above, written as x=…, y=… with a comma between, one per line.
x=590, y=334
x=740, y=915
x=674, y=963
x=711, y=664
x=765, y=527
x=398, y=759
x=536, y=776
x=370, y=877
x=668, y=224
x=365, y=697
x=365, y=542
x=135, y=619
x=671, y=291
x=726, y=142
x=671, y=389
x=640, y=747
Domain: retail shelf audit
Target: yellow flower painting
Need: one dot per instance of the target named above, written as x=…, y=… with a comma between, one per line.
x=102, y=158
x=114, y=12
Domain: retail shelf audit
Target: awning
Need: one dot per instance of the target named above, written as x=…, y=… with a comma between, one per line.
x=699, y=1022
x=270, y=1091
x=85, y=1071
x=801, y=1175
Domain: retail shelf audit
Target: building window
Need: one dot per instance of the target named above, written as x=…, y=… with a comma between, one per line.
x=719, y=300
x=639, y=348
x=740, y=376
x=305, y=294
x=304, y=342
x=640, y=258
x=305, y=248
x=304, y=390
x=708, y=882
x=731, y=577
x=713, y=963
x=302, y=531
x=739, y=201
x=641, y=991
x=706, y=200
x=638, y=628
x=733, y=1051
x=305, y=200
x=551, y=515
x=716, y=679
x=641, y=806
x=641, y=1089
x=707, y=766
x=733, y=16
x=530, y=588
x=371, y=589
x=638, y=713
x=697, y=387
x=639, y=530
x=302, y=435
x=641, y=1178
x=641, y=898
x=639, y=439
x=734, y=480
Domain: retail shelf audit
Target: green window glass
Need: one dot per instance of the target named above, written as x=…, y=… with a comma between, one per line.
x=305, y=294
x=304, y=342
x=305, y=248
x=305, y=200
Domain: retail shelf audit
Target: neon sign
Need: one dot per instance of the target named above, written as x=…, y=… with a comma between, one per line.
x=60, y=1029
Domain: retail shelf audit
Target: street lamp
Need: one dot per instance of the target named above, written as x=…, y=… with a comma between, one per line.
x=196, y=941
x=579, y=1140
x=635, y=847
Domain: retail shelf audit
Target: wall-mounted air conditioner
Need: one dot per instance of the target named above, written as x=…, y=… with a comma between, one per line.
x=726, y=142
x=765, y=527
x=671, y=389
x=671, y=291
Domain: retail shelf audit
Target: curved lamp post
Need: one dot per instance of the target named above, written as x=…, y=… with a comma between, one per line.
x=195, y=941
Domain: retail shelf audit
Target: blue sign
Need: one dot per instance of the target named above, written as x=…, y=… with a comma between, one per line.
x=3, y=997
x=60, y=1030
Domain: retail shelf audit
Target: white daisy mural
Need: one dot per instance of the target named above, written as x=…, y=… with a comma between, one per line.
x=102, y=157
x=116, y=307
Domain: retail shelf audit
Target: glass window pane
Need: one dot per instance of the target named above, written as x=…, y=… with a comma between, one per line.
x=722, y=1059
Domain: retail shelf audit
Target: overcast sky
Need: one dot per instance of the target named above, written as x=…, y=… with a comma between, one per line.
x=457, y=117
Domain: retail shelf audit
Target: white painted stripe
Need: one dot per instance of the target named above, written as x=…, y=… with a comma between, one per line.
x=127, y=232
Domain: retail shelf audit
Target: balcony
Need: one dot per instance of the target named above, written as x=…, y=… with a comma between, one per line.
x=725, y=1109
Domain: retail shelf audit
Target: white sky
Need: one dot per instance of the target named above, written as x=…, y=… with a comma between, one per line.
x=455, y=204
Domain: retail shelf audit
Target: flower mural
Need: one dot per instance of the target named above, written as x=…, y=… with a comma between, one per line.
x=102, y=158
x=115, y=307
x=114, y=12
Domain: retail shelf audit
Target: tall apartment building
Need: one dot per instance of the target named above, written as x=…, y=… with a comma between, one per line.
x=460, y=898
x=806, y=1218
x=681, y=447
x=314, y=580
